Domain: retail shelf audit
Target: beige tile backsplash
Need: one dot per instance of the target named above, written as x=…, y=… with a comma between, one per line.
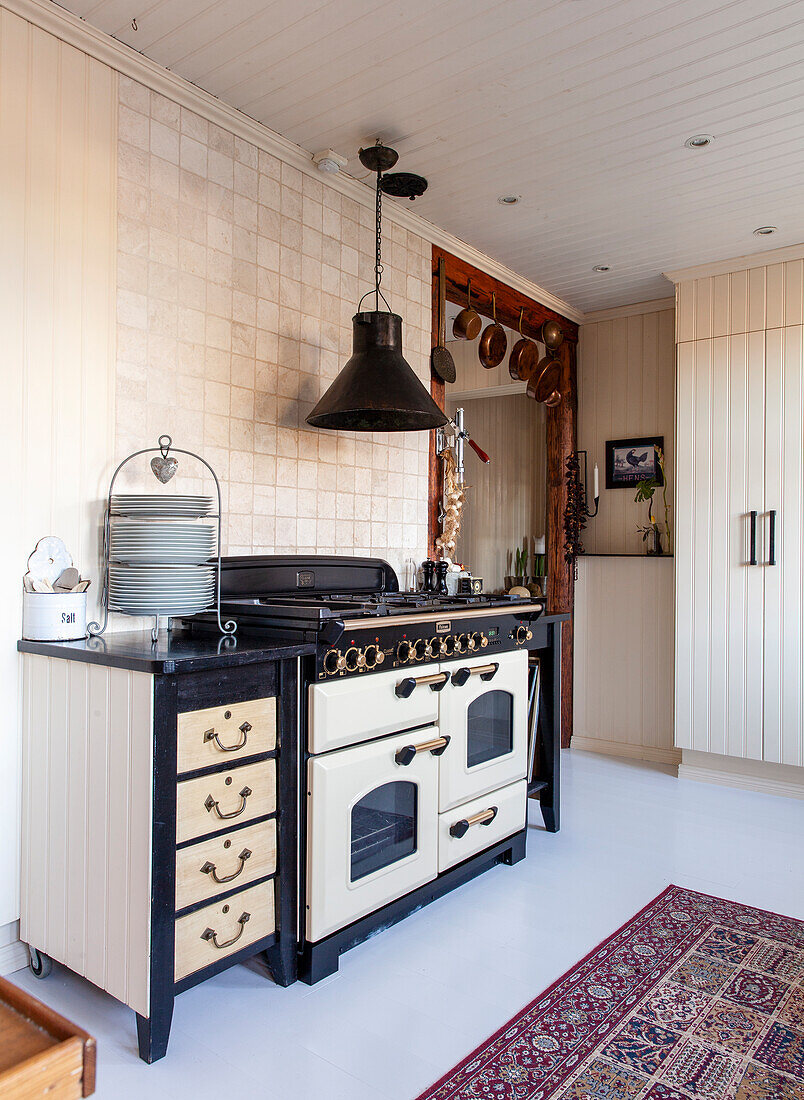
x=237, y=279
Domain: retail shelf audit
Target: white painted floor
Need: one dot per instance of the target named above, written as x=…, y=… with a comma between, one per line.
x=409, y=1004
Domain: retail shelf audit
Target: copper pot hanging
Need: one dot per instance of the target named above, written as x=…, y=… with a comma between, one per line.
x=524, y=356
x=544, y=381
x=467, y=324
x=493, y=342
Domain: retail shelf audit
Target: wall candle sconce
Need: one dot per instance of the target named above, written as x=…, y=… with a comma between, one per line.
x=596, y=485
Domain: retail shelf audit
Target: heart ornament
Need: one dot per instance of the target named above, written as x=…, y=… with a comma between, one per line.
x=164, y=468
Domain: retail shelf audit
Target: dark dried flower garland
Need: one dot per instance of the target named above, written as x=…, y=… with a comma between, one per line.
x=575, y=510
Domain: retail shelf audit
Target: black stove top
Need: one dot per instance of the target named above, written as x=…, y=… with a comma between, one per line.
x=355, y=604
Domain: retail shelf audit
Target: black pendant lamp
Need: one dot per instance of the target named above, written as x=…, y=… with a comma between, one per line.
x=377, y=390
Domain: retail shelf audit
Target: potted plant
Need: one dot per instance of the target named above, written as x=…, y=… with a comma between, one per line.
x=652, y=530
x=519, y=568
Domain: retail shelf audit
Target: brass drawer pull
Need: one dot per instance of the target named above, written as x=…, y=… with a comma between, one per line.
x=485, y=817
x=405, y=688
x=408, y=754
x=211, y=805
x=211, y=936
x=485, y=672
x=245, y=729
x=211, y=870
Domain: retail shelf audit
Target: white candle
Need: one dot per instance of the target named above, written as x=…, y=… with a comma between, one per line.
x=597, y=483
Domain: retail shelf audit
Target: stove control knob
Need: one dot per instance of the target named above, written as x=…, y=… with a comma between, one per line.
x=522, y=634
x=353, y=659
x=479, y=639
x=332, y=662
x=403, y=652
x=372, y=655
x=462, y=643
x=421, y=649
x=434, y=647
x=448, y=645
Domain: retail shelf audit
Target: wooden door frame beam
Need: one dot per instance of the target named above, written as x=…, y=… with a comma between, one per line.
x=561, y=434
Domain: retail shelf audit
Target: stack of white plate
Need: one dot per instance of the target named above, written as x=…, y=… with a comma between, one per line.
x=154, y=543
x=161, y=589
x=161, y=505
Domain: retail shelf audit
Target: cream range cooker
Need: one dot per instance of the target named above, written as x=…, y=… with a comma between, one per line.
x=414, y=719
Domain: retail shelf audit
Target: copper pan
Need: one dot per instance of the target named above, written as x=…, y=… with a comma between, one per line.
x=545, y=379
x=524, y=356
x=467, y=324
x=493, y=342
x=552, y=336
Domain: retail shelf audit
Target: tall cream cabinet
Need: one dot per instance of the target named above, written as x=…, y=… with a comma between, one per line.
x=740, y=516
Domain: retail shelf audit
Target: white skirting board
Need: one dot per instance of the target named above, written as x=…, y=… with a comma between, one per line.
x=627, y=750
x=748, y=775
x=13, y=954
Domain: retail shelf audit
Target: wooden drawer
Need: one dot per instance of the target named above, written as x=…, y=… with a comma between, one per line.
x=221, y=929
x=223, y=735
x=220, y=864
x=211, y=802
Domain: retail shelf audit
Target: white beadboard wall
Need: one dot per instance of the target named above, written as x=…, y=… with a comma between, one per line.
x=624, y=658
x=58, y=134
x=626, y=387
x=87, y=798
x=624, y=604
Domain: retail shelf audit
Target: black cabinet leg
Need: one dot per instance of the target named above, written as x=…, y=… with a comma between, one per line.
x=153, y=1031
x=550, y=816
x=281, y=959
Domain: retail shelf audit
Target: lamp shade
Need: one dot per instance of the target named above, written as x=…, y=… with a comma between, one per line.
x=377, y=390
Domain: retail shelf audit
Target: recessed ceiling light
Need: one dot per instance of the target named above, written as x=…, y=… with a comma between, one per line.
x=601, y=267
x=699, y=141
x=508, y=200
x=764, y=230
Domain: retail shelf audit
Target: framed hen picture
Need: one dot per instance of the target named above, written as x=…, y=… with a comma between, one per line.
x=631, y=460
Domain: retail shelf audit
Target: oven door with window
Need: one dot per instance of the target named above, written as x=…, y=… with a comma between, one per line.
x=483, y=709
x=372, y=831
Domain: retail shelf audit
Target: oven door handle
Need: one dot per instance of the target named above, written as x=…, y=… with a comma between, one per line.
x=405, y=688
x=462, y=827
x=485, y=672
x=408, y=754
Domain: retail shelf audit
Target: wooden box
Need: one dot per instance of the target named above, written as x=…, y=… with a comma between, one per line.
x=41, y=1053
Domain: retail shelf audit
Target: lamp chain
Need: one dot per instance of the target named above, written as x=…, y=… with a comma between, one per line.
x=378, y=258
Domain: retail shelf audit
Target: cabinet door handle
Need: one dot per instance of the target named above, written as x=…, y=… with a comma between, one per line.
x=211, y=805
x=245, y=730
x=405, y=688
x=485, y=672
x=752, y=541
x=211, y=935
x=211, y=870
x=408, y=754
x=772, y=537
x=461, y=828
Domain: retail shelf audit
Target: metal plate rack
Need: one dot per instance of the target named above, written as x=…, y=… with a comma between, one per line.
x=163, y=468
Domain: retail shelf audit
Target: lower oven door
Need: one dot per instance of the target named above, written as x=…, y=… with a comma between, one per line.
x=483, y=709
x=372, y=826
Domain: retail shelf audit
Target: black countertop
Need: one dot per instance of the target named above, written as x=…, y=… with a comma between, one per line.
x=177, y=652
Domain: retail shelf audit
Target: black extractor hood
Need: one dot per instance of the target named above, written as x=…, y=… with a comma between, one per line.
x=377, y=390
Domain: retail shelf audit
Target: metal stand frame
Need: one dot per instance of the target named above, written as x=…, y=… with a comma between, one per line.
x=164, y=448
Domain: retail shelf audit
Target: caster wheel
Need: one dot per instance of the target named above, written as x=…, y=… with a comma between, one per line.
x=40, y=964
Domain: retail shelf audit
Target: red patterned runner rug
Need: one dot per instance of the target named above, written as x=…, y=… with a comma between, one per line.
x=695, y=998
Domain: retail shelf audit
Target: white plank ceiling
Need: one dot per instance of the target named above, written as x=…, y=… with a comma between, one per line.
x=581, y=107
